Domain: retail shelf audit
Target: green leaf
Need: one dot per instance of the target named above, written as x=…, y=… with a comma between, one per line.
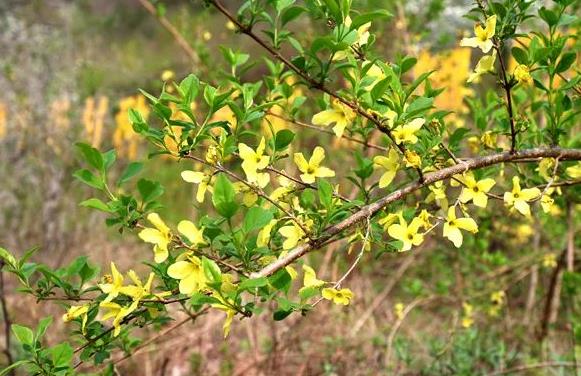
x=223, y=197
x=280, y=314
x=91, y=155
x=42, y=327
x=61, y=354
x=283, y=139
x=290, y=14
x=95, y=203
x=8, y=257
x=548, y=16
x=211, y=270
x=89, y=178
x=566, y=61
x=325, y=193
x=256, y=217
x=109, y=158
x=189, y=88
x=520, y=55
x=23, y=334
x=379, y=88
x=281, y=280
x=149, y=190
x=130, y=171
x=252, y=283
x=368, y=17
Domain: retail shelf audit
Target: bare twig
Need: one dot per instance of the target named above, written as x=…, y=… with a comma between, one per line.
x=179, y=38
x=528, y=367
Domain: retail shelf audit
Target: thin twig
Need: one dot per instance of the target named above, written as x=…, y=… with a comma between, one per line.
x=528, y=367
x=7, y=321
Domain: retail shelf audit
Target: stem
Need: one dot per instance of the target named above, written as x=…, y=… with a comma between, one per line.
x=7, y=321
x=507, y=88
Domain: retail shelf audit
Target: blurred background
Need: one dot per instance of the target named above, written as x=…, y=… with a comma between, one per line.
x=70, y=70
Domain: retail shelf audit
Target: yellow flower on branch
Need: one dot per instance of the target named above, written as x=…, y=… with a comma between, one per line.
x=398, y=310
x=523, y=75
x=550, y=261
x=390, y=164
x=313, y=169
x=254, y=161
x=339, y=114
x=200, y=178
x=292, y=233
x=310, y=278
x=249, y=195
x=407, y=132
x=343, y=296
x=78, y=311
x=519, y=198
x=160, y=237
x=194, y=235
x=412, y=159
x=438, y=194
x=408, y=234
x=263, y=237
x=453, y=225
x=485, y=65
x=574, y=171
x=117, y=313
x=113, y=283
x=188, y=269
x=476, y=190
x=483, y=36
x=468, y=315
x=139, y=291
x=362, y=38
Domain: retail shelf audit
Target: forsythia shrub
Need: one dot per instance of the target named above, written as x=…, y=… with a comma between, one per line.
x=265, y=200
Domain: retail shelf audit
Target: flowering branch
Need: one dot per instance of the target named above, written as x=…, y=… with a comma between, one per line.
x=446, y=173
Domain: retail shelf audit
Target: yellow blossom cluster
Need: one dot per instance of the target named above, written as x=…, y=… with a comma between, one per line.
x=125, y=140
x=93, y=118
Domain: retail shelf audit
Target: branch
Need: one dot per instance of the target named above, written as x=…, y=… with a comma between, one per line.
x=7, y=322
x=372, y=209
x=179, y=38
x=527, y=367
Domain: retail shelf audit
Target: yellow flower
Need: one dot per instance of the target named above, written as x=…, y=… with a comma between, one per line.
x=191, y=232
x=160, y=237
x=113, y=285
x=342, y=296
x=339, y=114
x=249, y=195
x=188, y=269
x=468, y=315
x=206, y=35
x=497, y=299
x=312, y=169
x=425, y=216
x=574, y=171
x=231, y=26
x=545, y=168
x=412, y=159
x=547, y=203
x=167, y=75
x=398, y=310
x=253, y=161
x=453, y=225
x=550, y=260
x=310, y=278
x=388, y=220
x=293, y=234
x=199, y=178
x=438, y=194
x=407, y=132
x=522, y=74
x=391, y=164
x=263, y=237
x=118, y=313
x=476, y=190
x=488, y=139
x=483, y=36
x=77, y=311
x=286, y=187
x=408, y=235
x=484, y=65
x=140, y=291
x=362, y=38
x=518, y=198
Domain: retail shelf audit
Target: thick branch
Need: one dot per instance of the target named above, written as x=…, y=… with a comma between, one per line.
x=446, y=173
